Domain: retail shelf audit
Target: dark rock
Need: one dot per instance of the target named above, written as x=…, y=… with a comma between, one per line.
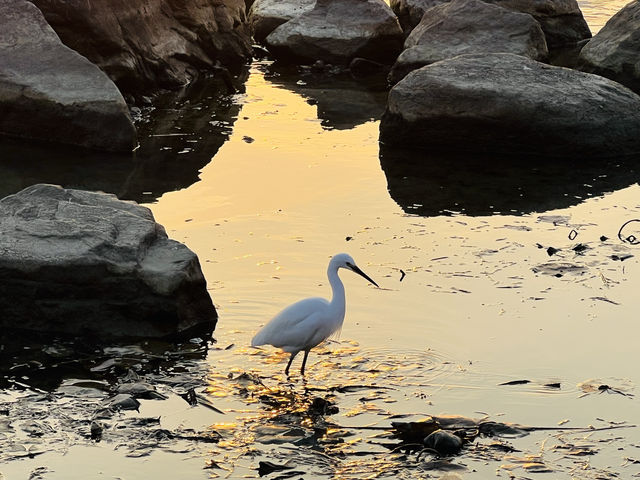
x=96, y=430
x=49, y=92
x=123, y=401
x=337, y=31
x=410, y=12
x=140, y=390
x=505, y=103
x=82, y=262
x=361, y=67
x=561, y=20
x=615, y=51
x=267, y=15
x=150, y=44
x=443, y=442
x=469, y=26
x=415, y=432
x=319, y=66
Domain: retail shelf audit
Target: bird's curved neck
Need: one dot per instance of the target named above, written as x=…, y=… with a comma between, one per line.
x=337, y=288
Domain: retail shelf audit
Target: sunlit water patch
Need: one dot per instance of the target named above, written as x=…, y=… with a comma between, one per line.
x=598, y=12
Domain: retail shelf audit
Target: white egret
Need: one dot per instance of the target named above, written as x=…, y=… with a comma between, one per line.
x=307, y=323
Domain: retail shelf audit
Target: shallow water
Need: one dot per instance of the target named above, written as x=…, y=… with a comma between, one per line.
x=597, y=12
x=482, y=302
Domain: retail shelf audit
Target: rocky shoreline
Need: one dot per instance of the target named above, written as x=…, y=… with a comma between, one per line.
x=66, y=72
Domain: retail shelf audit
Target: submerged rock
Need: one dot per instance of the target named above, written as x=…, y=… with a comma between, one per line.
x=469, y=26
x=615, y=51
x=337, y=31
x=49, y=92
x=505, y=103
x=443, y=442
x=266, y=15
x=140, y=390
x=83, y=262
x=150, y=44
x=123, y=401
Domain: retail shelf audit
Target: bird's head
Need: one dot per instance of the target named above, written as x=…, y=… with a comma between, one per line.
x=344, y=260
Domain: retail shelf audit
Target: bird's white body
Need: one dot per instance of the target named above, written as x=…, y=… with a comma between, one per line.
x=300, y=326
x=307, y=323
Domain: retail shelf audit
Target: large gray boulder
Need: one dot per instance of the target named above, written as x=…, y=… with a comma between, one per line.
x=49, y=92
x=615, y=51
x=266, y=15
x=505, y=103
x=410, y=12
x=79, y=262
x=336, y=31
x=561, y=20
x=151, y=44
x=469, y=26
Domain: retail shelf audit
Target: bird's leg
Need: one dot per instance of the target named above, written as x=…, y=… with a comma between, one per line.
x=304, y=361
x=286, y=370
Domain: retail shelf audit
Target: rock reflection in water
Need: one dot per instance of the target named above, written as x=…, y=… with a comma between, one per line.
x=430, y=183
x=342, y=101
x=178, y=136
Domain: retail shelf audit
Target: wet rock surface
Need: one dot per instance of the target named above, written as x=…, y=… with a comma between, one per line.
x=49, y=92
x=337, y=31
x=614, y=51
x=469, y=26
x=505, y=103
x=76, y=261
x=152, y=44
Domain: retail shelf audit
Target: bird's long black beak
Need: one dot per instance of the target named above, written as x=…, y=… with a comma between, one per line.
x=361, y=273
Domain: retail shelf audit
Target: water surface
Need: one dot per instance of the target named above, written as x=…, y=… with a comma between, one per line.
x=482, y=302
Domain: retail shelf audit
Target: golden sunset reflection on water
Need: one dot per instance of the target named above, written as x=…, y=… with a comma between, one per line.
x=481, y=302
x=474, y=316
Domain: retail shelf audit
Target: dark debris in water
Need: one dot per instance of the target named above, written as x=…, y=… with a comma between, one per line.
x=552, y=251
x=515, y=382
x=266, y=468
x=597, y=386
x=63, y=391
x=621, y=258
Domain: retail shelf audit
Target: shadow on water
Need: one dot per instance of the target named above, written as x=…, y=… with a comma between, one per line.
x=343, y=102
x=434, y=183
x=40, y=362
x=178, y=136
